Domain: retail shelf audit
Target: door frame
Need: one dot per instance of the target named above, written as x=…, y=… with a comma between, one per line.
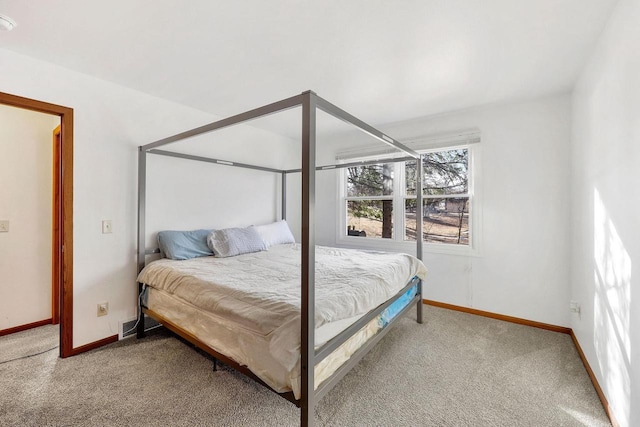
x=56, y=229
x=65, y=252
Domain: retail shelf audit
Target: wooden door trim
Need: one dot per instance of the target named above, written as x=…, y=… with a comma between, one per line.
x=66, y=130
x=56, y=228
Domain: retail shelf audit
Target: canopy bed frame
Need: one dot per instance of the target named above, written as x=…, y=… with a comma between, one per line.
x=310, y=356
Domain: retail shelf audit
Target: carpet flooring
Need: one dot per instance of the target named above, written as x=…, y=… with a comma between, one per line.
x=31, y=341
x=456, y=369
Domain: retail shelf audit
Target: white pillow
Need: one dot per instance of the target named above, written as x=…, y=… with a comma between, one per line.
x=235, y=241
x=276, y=233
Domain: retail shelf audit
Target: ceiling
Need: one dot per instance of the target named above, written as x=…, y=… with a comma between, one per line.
x=384, y=61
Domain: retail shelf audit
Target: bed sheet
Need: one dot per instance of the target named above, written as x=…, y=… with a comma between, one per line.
x=261, y=291
x=249, y=305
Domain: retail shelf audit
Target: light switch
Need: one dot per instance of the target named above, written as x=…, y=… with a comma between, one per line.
x=4, y=226
x=106, y=226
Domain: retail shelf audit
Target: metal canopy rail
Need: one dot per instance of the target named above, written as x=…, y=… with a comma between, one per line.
x=358, y=163
x=264, y=111
x=310, y=103
x=267, y=169
x=211, y=160
x=339, y=113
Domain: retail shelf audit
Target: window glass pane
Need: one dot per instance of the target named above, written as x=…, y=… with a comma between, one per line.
x=445, y=220
x=371, y=180
x=445, y=172
x=370, y=218
x=410, y=177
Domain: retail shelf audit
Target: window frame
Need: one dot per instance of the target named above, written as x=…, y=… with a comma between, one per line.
x=398, y=242
x=346, y=198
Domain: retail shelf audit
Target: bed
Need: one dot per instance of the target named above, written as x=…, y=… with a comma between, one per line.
x=247, y=307
x=324, y=308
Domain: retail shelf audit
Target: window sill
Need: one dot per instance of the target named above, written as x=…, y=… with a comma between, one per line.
x=405, y=246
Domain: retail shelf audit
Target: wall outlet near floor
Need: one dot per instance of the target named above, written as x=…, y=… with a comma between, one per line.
x=4, y=226
x=574, y=307
x=103, y=309
x=106, y=226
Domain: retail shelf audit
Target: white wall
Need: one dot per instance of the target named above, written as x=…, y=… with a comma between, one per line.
x=186, y=194
x=110, y=122
x=605, y=209
x=25, y=200
x=522, y=269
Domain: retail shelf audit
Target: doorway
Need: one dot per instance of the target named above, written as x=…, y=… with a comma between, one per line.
x=61, y=216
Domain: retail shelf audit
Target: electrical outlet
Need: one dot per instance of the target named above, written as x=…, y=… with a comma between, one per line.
x=4, y=226
x=106, y=226
x=574, y=307
x=103, y=309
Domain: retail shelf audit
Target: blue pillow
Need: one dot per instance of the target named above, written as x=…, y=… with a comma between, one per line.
x=182, y=245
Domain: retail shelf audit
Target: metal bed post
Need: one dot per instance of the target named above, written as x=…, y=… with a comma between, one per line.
x=419, y=236
x=307, y=282
x=310, y=103
x=283, y=212
x=142, y=198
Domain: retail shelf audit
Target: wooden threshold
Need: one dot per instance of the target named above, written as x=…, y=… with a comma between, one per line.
x=94, y=345
x=25, y=327
x=554, y=328
x=502, y=317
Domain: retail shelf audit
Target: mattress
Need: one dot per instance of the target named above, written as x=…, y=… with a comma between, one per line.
x=248, y=307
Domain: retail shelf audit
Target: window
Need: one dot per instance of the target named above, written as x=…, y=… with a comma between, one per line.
x=370, y=200
x=379, y=203
x=445, y=210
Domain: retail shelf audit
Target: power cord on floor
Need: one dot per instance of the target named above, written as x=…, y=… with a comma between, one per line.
x=29, y=355
x=139, y=312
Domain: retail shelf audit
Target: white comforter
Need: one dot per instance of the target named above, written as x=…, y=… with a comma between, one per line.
x=261, y=291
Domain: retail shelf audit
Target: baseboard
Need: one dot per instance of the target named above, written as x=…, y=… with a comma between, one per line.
x=25, y=327
x=554, y=328
x=502, y=317
x=94, y=345
x=594, y=381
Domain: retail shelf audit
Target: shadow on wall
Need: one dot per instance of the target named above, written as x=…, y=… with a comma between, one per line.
x=611, y=308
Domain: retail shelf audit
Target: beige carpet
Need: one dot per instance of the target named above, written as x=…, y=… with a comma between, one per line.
x=31, y=341
x=455, y=370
